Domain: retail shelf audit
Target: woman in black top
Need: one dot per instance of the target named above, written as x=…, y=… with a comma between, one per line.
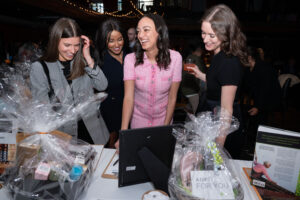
x=222, y=35
x=110, y=53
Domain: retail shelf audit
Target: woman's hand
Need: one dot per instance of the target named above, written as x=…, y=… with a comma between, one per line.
x=86, y=51
x=196, y=72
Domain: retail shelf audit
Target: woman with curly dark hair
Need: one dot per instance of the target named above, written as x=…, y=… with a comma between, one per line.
x=152, y=76
x=222, y=35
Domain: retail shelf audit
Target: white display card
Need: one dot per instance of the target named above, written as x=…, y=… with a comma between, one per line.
x=211, y=184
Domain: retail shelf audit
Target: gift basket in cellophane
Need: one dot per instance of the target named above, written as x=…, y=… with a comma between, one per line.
x=201, y=167
x=49, y=164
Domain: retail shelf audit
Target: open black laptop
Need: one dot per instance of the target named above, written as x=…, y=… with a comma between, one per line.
x=146, y=154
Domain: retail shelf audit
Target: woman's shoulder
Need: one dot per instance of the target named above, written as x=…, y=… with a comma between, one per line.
x=49, y=64
x=174, y=53
x=36, y=66
x=36, y=69
x=229, y=59
x=130, y=57
x=36, y=63
x=39, y=62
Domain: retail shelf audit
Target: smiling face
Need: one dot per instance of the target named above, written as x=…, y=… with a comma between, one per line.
x=147, y=34
x=210, y=39
x=68, y=47
x=115, y=43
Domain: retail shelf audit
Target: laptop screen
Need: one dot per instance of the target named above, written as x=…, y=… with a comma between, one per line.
x=134, y=165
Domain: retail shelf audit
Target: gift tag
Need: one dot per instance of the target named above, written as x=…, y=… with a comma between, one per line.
x=211, y=184
x=42, y=171
x=79, y=159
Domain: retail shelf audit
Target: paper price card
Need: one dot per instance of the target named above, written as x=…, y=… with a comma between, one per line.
x=211, y=184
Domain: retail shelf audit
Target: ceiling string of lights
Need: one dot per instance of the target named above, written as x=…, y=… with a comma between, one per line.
x=131, y=14
x=135, y=8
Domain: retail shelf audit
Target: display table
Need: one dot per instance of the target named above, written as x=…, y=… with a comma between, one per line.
x=107, y=189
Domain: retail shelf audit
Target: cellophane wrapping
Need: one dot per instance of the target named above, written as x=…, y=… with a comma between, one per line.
x=199, y=160
x=47, y=166
x=34, y=115
x=43, y=168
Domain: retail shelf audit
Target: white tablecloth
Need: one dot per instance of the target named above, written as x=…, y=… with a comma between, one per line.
x=107, y=189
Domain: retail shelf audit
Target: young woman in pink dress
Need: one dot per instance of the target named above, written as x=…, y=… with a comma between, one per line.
x=152, y=76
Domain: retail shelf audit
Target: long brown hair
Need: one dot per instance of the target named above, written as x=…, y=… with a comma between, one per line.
x=227, y=28
x=65, y=28
x=163, y=57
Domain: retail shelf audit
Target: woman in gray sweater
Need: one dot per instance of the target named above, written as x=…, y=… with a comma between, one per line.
x=68, y=73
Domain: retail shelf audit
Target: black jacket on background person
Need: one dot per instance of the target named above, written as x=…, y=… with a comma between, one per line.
x=262, y=85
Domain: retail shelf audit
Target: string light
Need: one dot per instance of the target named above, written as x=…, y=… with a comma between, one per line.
x=134, y=7
x=113, y=12
x=129, y=14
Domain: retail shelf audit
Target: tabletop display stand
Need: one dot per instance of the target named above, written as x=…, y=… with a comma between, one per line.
x=157, y=171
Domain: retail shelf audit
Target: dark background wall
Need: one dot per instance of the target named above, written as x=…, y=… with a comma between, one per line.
x=271, y=24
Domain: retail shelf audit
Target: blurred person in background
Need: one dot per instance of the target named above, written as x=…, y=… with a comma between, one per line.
x=29, y=52
x=262, y=86
x=131, y=33
x=261, y=53
x=291, y=66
